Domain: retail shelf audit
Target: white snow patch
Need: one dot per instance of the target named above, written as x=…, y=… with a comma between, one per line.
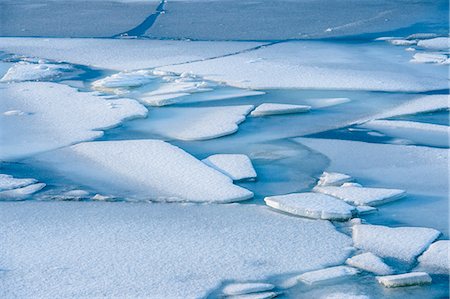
x=438, y=43
x=362, y=195
x=435, y=259
x=14, y=113
x=404, y=280
x=21, y=193
x=402, y=42
x=24, y=71
x=327, y=274
x=328, y=102
x=333, y=179
x=369, y=262
x=421, y=36
x=246, y=288
x=430, y=58
x=275, y=108
x=8, y=182
x=236, y=166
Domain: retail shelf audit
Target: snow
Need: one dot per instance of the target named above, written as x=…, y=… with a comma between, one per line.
x=24, y=71
x=435, y=259
x=127, y=54
x=421, y=35
x=369, y=262
x=236, y=166
x=402, y=42
x=438, y=43
x=404, y=280
x=344, y=296
x=421, y=133
x=311, y=205
x=333, y=179
x=275, y=108
x=195, y=123
x=9, y=182
x=362, y=195
x=145, y=170
x=21, y=193
x=119, y=82
x=60, y=249
x=430, y=58
x=246, y=288
x=403, y=243
x=262, y=295
x=57, y=115
x=328, y=102
x=327, y=274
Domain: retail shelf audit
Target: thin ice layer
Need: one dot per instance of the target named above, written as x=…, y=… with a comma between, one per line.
x=362, y=195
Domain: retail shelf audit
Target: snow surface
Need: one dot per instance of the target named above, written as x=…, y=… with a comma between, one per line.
x=325, y=275
x=333, y=179
x=21, y=193
x=56, y=116
x=236, y=166
x=430, y=58
x=275, y=108
x=311, y=205
x=24, y=71
x=403, y=243
x=403, y=280
x=246, y=288
x=438, y=43
x=60, y=249
x=402, y=42
x=435, y=259
x=145, y=170
x=362, y=195
x=369, y=262
x=9, y=182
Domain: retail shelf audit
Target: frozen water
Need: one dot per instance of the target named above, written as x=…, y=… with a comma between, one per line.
x=236, y=166
x=362, y=195
x=369, y=262
x=404, y=280
x=333, y=179
x=246, y=288
x=430, y=58
x=24, y=71
x=274, y=108
x=327, y=274
x=438, y=43
x=262, y=295
x=435, y=259
x=365, y=210
x=21, y=193
x=8, y=182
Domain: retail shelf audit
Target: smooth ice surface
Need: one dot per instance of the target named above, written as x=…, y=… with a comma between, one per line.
x=58, y=249
x=8, y=182
x=404, y=280
x=274, y=108
x=438, y=43
x=311, y=205
x=246, y=288
x=403, y=243
x=362, y=195
x=333, y=179
x=127, y=54
x=21, y=193
x=24, y=71
x=236, y=166
x=145, y=170
x=327, y=274
x=435, y=259
x=369, y=262
x=420, y=133
x=55, y=115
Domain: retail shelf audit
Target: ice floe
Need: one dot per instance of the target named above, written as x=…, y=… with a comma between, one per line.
x=438, y=43
x=176, y=242
x=402, y=42
x=404, y=280
x=430, y=58
x=246, y=288
x=362, y=195
x=421, y=36
x=24, y=71
x=327, y=274
x=275, y=108
x=236, y=166
x=262, y=295
x=22, y=192
x=333, y=179
x=369, y=262
x=146, y=170
x=327, y=102
x=362, y=210
x=9, y=182
x=56, y=115
x=311, y=205
x=402, y=243
x=435, y=259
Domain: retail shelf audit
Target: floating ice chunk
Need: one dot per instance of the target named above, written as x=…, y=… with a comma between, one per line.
x=333, y=179
x=423, y=133
x=330, y=102
x=24, y=71
x=21, y=193
x=311, y=205
x=344, y=296
x=435, y=259
x=8, y=182
x=246, y=288
x=362, y=195
x=402, y=42
x=438, y=43
x=118, y=83
x=369, y=262
x=403, y=243
x=421, y=36
x=58, y=116
x=274, y=108
x=263, y=295
x=430, y=58
x=351, y=184
x=327, y=274
x=14, y=113
x=410, y=49
x=362, y=210
x=237, y=167
x=404, y=280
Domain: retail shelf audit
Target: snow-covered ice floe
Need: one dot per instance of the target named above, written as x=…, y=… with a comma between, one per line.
x=402, y=243
x=17, y=189
x=438, y=43
x=311, y=205
x=262, y=295
x=25, y=71
x=246, y=288
x=55, y=115
x=236, y=166
x=404, y=280
x=402, y=42
x=249, y=242
x=369, y=262
x=9, y=182
x=333, y=179
x=435, y=259
x=275, y=108
x=145, y=170
x=362, y=195
x=430, y=58
x=326, y=102
x=362, y=210
x=327, y=274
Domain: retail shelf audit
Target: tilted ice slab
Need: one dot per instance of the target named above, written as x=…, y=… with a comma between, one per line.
x=145, y=170
x=275, y=108
x=327, y=102
x=369, y=262
x=236, y=166
x=311, y=205
x=422, y=133
x=327, y=274
x=430, y=58
x=262, y=295
x=435, y=259
x=55, y=115
x=9, y=182
x=250, y=243
x=21, y=193
x=362, y=195
x=321, y=65
x=402, y=42
x=127, y=54
x=403, y=243
x=333, y=179
x=246, y=288
x=24, y=71
x=120, y=82
x=438, y=43
x=404, y=280
x=195, y=123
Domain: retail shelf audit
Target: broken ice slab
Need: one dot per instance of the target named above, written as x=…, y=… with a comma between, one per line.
x=275, y=108
x=236, y=166
x=327, y=274
x=333, y=179
x=369, y=262
x=246, y=288
x=362, y=195
x=404, y=280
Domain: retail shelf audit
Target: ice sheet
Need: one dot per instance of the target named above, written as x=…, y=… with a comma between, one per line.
x=236, y=166
x=435, y=259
